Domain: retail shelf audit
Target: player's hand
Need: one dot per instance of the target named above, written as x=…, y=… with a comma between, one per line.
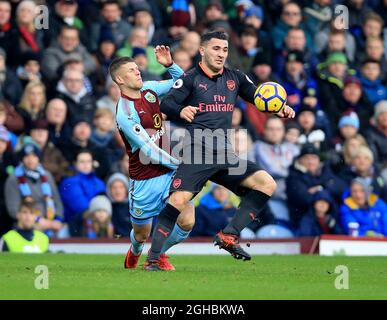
x=188, y=113
x=163, y=55
x=286, y=112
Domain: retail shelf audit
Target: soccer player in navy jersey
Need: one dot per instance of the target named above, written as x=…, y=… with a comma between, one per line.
x=139, y=122
x=205, y=98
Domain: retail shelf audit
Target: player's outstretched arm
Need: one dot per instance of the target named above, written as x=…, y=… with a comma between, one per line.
x=138, y=138
x=246, y=88
x=163, y=56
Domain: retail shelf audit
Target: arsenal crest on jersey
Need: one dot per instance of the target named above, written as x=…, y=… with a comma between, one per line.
x=230, y=84
x=176, y=183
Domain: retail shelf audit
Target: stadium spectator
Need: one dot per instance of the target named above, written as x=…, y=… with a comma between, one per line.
x=357, y=13
x=212, y=12
x=65, y=14
x=291, y=17
x=83, y=187
x=139, y=39
x=142, y=17
x=295, y=40
x=352, y=99
x=140, y=58
x=10, y=86
x=109, y=101
x=182, y=58
x=80, y=139
x=321, y=219
x=27, y=37
x=103, y=131
x=32, y=182
x=111, y=23
x=299, y=86
x=6, y=30
x=253, y=16
x=52, y=158
x=371, y=28
x=25, y=239
x=261, y=69
x=317, y=15
x=117, y=189
x=214, y=212
x=310, y=133
x=58, y=128
x=365, y=208
x=362, y=166
x=105, y=54
x=340, y=159
x=12, y=138
x=371, y=81
x=190, y=43
x=32, y=103
x=29, y=68
x=75, y=63
x=98, y=218
x=275, y=155
x=375, y=50
x=80, y=104
x=349, y=125
x=377, y=135
x=331, y=75
x=337, y=43
x=292, y=133
x=7, y=165
x=58, y=53
x=307, y=176
x=243, y=57
x=331, y=38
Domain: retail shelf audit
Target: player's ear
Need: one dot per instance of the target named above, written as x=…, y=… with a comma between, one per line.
x=201, y=50
x=119, y=80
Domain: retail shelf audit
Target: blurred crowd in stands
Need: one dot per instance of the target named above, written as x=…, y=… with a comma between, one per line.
x=59, y=148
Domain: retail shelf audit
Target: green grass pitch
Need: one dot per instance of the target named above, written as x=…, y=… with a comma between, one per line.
x=74, y=276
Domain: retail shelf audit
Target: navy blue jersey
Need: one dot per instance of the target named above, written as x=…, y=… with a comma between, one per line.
x=215, y=96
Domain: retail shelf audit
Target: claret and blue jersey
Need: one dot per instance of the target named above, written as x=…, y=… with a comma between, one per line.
x=139, y=122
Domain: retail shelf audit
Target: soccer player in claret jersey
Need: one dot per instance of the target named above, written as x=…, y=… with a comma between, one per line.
x=140, y=124
x=205, y=98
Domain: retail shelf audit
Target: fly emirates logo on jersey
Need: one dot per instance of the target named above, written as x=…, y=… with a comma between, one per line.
x=219, y=105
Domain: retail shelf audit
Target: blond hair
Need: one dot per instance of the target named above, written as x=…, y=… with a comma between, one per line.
x=365, y=151
x=346, y=147
x=103, y=112
x=25, y=103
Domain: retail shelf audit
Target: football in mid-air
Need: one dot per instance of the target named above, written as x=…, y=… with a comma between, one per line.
x=270, y=97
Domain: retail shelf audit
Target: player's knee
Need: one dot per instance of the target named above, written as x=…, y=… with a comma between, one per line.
x=264, y=182
x=179, y=200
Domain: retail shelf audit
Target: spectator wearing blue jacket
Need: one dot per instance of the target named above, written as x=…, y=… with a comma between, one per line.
x=307, y=176
x=77, y=191
x=213, y=212
x=371, y=81
x=321, y=218
x=291, y=17
x=365, y=208
x=299, y=86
